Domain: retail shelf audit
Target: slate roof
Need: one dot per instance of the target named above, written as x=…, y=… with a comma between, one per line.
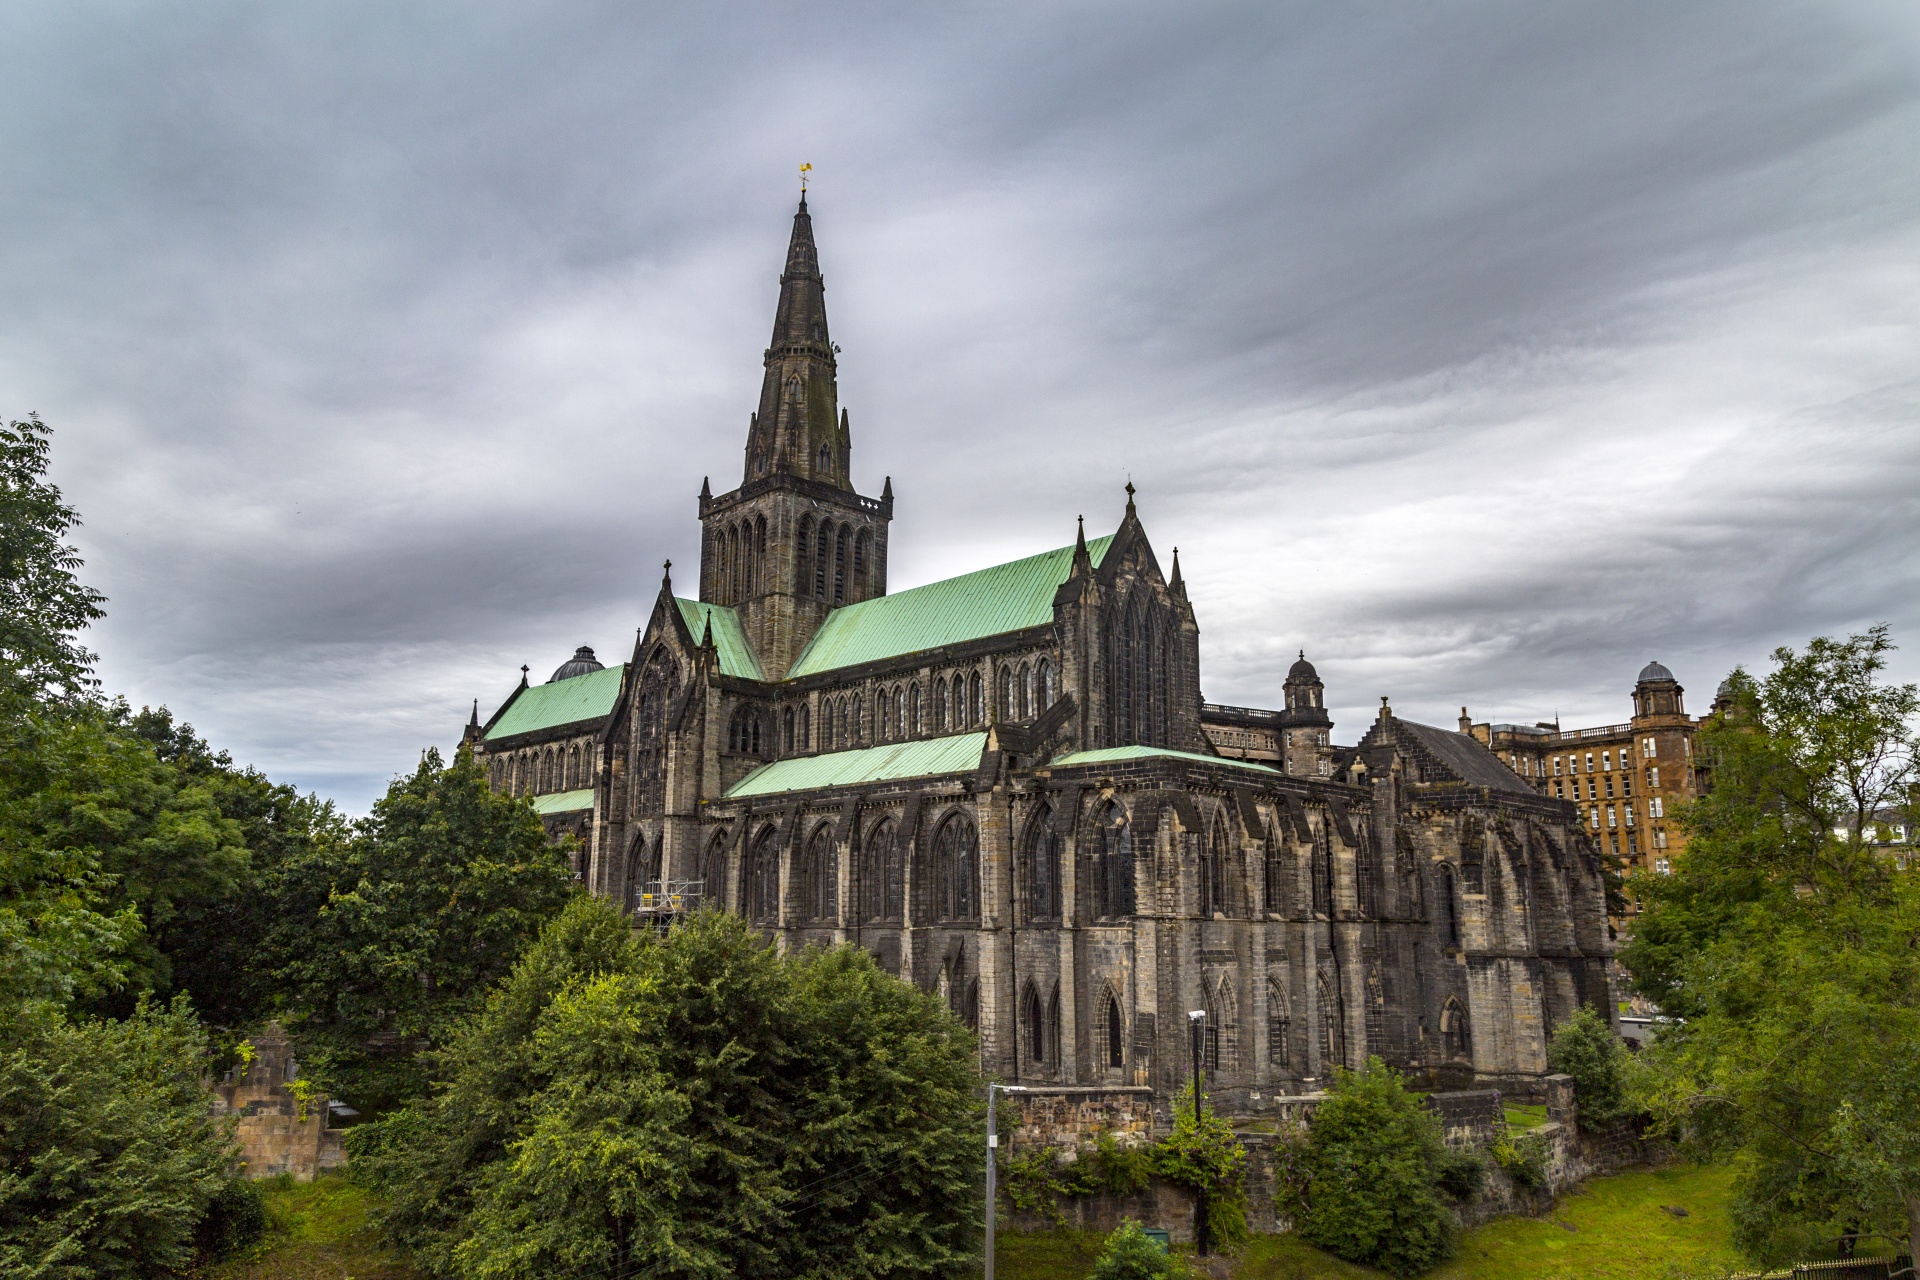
x=1106, y=755
x=563, y=802
x=924, y=758
x=729, y=637
x=558, y=702
x=1465, y=758
x=986, y=602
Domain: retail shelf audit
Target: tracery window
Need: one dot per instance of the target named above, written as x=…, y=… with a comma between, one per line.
x=1044, y=848
x=976, y=713
x=913, y=710
x=1213, y=880
x=1033, y=1026
x=826, y=461
x=884, y=879
x=1279, y=1022
x=1113, y=877
x=1455, y=1036
x=822, y=546
x=940, y=704
x=713, y=872
x=1116, y=1033
x=1043, y=682
x=956, y=863
x=1005, y=682
x=821, y=876
x=1278, y=891
x=1333, y=1030
x=762, y=878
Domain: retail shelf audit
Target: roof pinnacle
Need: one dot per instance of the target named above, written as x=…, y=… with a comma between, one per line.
x=666, y=577
x=1130, y=492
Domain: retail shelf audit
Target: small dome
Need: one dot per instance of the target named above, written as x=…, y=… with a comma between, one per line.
x=1654, y=671
x=581, y=663
x=1725, y=690
x=1302, y=672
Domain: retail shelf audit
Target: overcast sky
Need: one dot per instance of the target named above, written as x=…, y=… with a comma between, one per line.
x=1485, y=351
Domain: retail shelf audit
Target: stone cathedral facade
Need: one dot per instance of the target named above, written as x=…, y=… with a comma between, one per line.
x=1004, y=786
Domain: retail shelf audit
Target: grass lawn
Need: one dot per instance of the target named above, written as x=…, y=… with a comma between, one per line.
x=318, y=1230
x=1614, y=1228
x=1521, y=1116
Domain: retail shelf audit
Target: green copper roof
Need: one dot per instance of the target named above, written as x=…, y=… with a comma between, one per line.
x=563, y=802
x=957, y=754
x=736, y=655
x=1109, y=755
x=558, y=702
x=987, y=602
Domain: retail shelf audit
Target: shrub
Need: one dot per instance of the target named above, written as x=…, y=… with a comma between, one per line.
x=1131, y=1254
x=1462, y=1173
x=1374, y=1159
x=1523, y=1156
x=1207, y=1159
x=236, y=1221
x=1585, y=1048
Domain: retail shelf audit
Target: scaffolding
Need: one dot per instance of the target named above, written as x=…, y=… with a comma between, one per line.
x=664, y=899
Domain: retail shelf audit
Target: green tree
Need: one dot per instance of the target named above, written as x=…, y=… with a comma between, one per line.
x=1203, y=1156
x=1131, y=1254
x=1374, y=1162
x=1586, y=1048
x=696, y=1105
x=43, y=606
x=1787, y=940
x=111, y=1160
x=384, y=941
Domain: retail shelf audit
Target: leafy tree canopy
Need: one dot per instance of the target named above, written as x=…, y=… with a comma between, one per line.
x=696, y=1105
x=43, y=605
x=1373, y=1165
x=111, y=1158
x=1788, y=942
x=1586, y=1048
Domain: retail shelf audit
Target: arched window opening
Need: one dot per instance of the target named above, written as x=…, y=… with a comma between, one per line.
x=1279, y=1022
x=803, y=729
x=1043, y=867
x=840, y=565
x=786, y=730
x=1113, y=881
x=913, y=710
x=822, y=876
x=886, y=716
x=883, y=873
x=1033, y=1026
x=940, y=704
x=857, y=725
x=1005, y=682
x=862, y=565
x=900, y=711
x=803, y=554
x=1449, y=907
x=1050, y=1036
x=1116, y=1033
x=713, y=872
x=1024, y=692
x=1454, y=1035
x=1043, y=686
x=1322, y=872
x=956, y=862
x=1277, y=892
x=976, y=713
x=825, y=462
x=1333, y=1031
x=1376, y=1013
x=960, y=701
x=822, y=549
x=763, y=878
x=1213, y=881
x=970, y=1005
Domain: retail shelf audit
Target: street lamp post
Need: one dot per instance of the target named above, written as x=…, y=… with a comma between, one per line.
x=1197, y=1025
x=993, y=1145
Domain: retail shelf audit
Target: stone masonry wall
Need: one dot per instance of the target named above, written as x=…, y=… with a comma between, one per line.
x=278, y=1132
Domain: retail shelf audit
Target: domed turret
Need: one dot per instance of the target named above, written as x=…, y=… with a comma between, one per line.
x=1302, y=672
x=1657, y=693
x=581, y=663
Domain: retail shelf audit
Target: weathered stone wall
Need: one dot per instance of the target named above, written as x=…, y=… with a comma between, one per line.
x=277, y=1130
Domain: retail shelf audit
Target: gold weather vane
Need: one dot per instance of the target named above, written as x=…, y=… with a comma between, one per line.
x=805, y=169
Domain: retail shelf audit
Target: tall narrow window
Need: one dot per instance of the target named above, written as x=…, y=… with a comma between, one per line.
x=886, y=716
x=803, y=555
x=1043, y=685
x=1051, y=1034
x=1032, y=1026
x=786, y=730
x=1113, y=883
x=1322, y=873
x=1024, y=690
x=1277, y=892
x=939, y=704
x=1454, y=1033
x=825, y=462
x=1116, y=1033
x=976, y=713
x=763, y=878
x=885, y=876
x=1043, y=867
x=913, y=710
x=713, y=872
x=1006, y=694
x=1213, y=881
x=862, y=565
x=858, y=724
x=1279, y=1022
x=802, y=730
x=822, y=876
x=840, y=565
x=956, y=862
x=822, y=549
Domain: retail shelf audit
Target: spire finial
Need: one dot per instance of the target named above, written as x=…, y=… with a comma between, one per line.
x=1130, y=492
x=475, y=721
x=666, y=576
x=523, y=675
x=1177, y=584
x=805, y=169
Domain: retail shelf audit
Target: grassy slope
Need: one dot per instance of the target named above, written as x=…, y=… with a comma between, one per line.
x=319, y=1230
x=1613, y=1229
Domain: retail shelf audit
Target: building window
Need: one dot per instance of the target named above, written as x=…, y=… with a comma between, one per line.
x=955, y=852
x=1113, y=882
x=1606, y=760
x=1611, y=817
x=1116, y=1033
x=803, y=729
x=939, y=704
x=763, y=878
x=1213, y=873
x=825, y=465
x=821, y=881
x=1662, y=867
x=1589, y=762
x=883, y=876
x=1659, y=839
x=1556, y=768
x=1278, y=1023
x=1649, y=747
x=1043, y=867
x=1043, y=686
x=1032, y=1023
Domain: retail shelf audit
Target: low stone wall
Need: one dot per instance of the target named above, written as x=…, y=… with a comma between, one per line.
x=1069, y=1119
x=278, y=1131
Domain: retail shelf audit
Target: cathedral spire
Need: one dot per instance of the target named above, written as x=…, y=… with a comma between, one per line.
x=799, y=427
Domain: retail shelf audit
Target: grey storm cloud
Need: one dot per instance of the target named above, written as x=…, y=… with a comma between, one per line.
x=1485, y=351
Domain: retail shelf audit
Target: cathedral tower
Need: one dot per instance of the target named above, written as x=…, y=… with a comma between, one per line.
x=794, y=540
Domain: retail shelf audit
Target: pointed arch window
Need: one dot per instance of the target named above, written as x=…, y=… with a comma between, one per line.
x=1113, y=873
x=886, y=716
x=802, y=729
x=1044, y=849
x=1033, y=1021
x=1376, y=1012
x=822, y=549
x=1052, y=1029
x=1447, y=890
x=1455, y=1037
x=1333, y=1033
x=1215, y=898
x=1322, y=872
x=857, y=722
x=786, y=730
x=1005, y=682
x=862, y=565
x=825, y=462
x=883, y=873
x=956, y=863
x=763, y=878
x=913, y=710
x=976, y=713
x=1277, y=891
x=940, y=704
x=1279, y=1023
x=803, y=554
x=713, y=872
x=840, y=565
x=1043, y=685
x=1024, y=690
x=821, y=876
x=1116, y=1033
